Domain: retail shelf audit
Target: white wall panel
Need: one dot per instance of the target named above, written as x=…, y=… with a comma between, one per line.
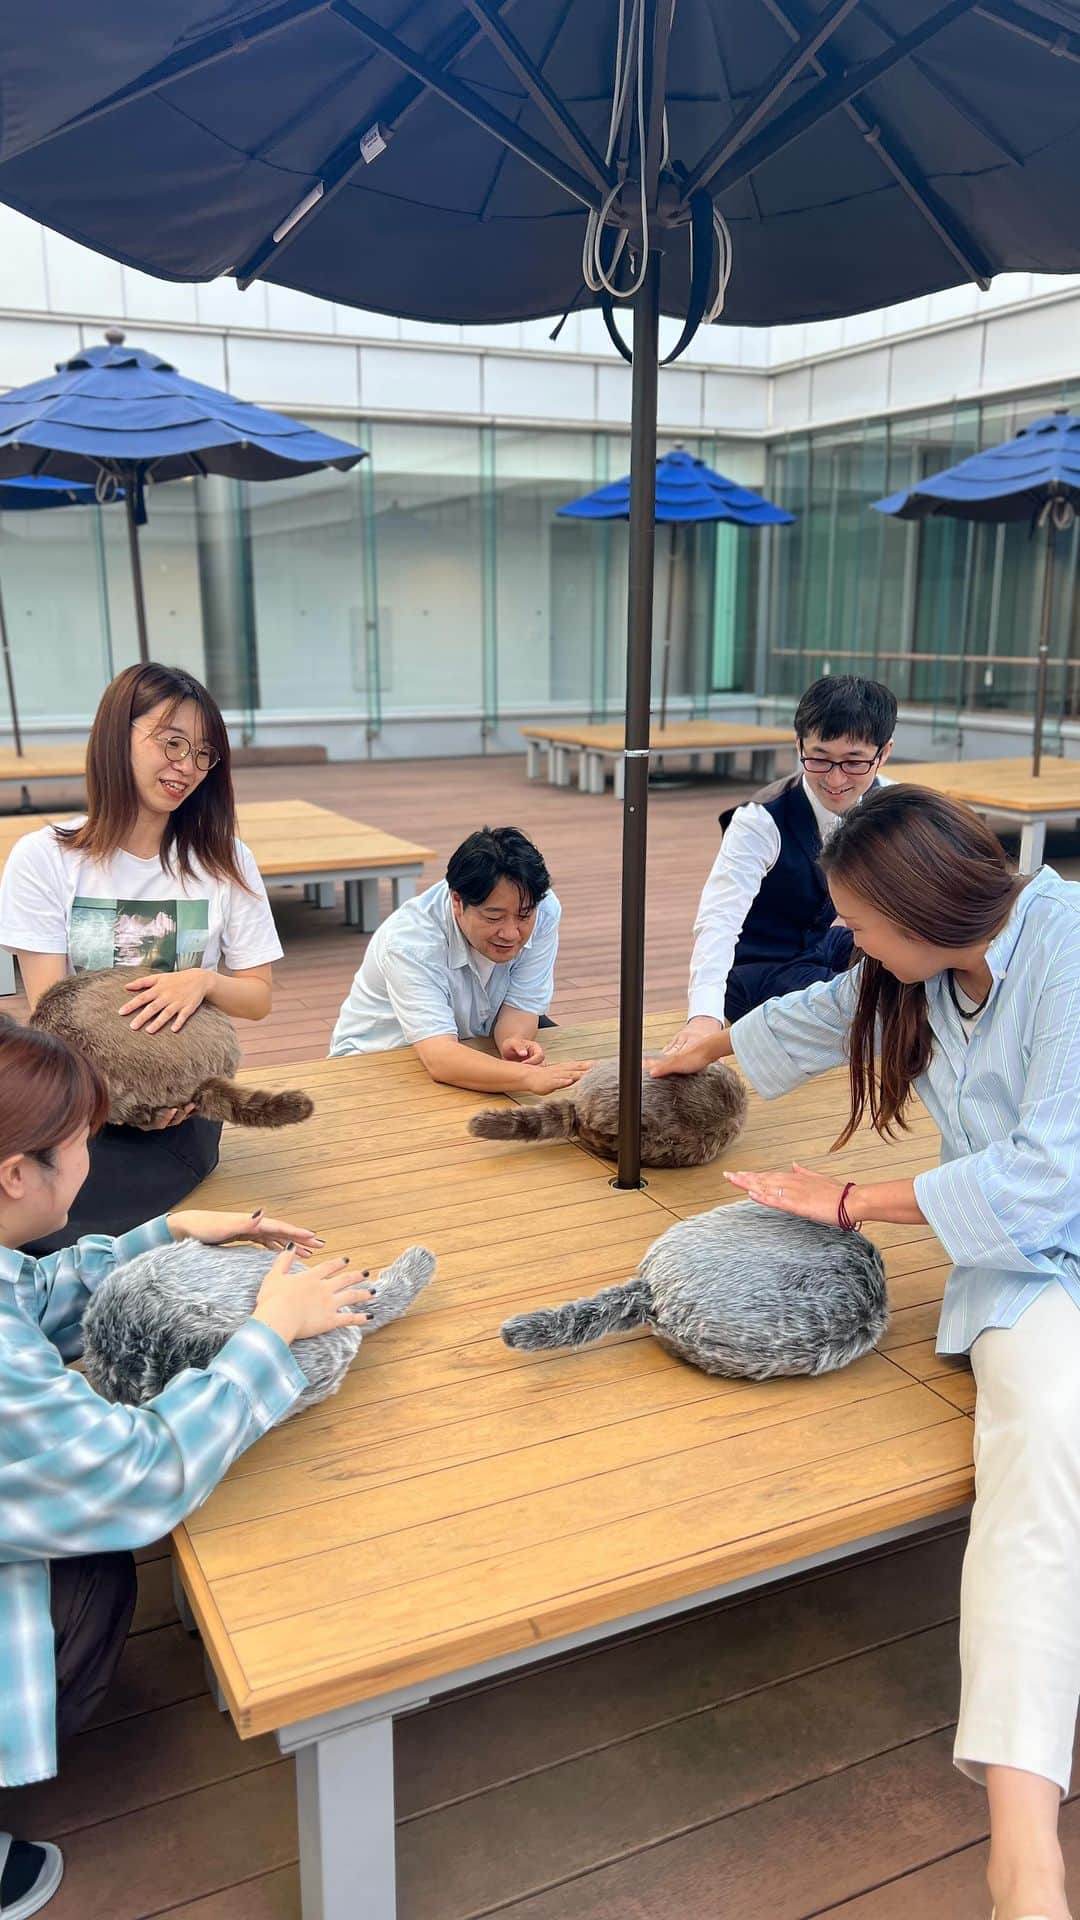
x=419, y=382
x=292, y=373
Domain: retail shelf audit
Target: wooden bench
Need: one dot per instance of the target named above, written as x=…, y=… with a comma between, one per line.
x=598, y=747
x=295, y=843
x=459, y=1510
x=1007, y=789
x=42, y=763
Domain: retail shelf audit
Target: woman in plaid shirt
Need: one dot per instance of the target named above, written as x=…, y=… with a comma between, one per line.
x=83, y=1481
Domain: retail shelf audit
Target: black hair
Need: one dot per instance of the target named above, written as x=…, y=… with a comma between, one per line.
x=493, y=854
x=843, y=707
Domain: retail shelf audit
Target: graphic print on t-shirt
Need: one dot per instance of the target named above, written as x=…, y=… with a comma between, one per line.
x=158, y=936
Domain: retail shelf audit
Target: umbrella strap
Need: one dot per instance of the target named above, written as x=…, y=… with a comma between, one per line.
x=607, y=308
x=703, y=248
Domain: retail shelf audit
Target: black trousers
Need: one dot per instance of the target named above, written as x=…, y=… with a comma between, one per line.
x=750, y=985
x=134, y=1176
x=92, y=1601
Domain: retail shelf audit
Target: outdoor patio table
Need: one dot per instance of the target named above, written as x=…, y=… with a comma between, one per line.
x=1009, y=790
x=597, y=747
x=459, y=1510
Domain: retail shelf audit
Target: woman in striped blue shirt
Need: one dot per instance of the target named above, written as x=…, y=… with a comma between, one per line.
x=968, y=994
x=82, y=1481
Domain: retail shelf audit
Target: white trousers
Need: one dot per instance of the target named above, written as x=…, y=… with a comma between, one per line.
x=1020, y=1596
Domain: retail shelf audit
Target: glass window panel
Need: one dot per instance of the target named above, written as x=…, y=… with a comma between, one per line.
x=549, y=572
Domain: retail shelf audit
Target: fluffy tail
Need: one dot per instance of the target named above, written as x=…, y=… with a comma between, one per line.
x=550, y=1120
x=398, y=1285
x=613, y=1310
x=219, y=1099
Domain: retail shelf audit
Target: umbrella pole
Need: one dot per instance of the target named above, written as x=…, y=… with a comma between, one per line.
x=10, y=676
x=672, y=546
x=638, y=692
x=1044, y=649
x=136, y=573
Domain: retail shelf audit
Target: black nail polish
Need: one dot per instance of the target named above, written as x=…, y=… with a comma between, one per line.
x=290, y=1246
x=365, y=1273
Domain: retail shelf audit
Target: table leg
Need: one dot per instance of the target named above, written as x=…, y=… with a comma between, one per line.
x=7, y=972
x=404, y=887
x=1032, y=843
x=532, y=759
x=761, y=765
x=325, y=893
x=345, y=1801
x=595, y=778
x=619, y=769
x=559, y=765
x=362, y=904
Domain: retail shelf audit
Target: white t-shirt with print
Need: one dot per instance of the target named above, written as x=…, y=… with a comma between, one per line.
x=130, y=912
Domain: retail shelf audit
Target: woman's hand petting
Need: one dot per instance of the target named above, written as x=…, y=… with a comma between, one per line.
x=166, y=999
x=214, y=1229
x=811, y=1196
x=297, y=1305
x=171, y=1117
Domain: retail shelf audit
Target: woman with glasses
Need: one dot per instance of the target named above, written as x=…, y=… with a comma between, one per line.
x=766, y=924
x=152, y=881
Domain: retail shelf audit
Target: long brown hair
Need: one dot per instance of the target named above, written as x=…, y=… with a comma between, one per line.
x=938, y=873
x=47, y=1092
x=203, y=828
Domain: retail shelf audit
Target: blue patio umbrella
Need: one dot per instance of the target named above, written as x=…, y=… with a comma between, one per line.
x=122, y=419
x=1035, y=477
x=687, y=493
x=477, y=160
x=27, y=496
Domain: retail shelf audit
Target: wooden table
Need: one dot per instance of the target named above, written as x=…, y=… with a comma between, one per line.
x=596, y=747
x=459, y=1510
x=294, y=843
x=1007, y=789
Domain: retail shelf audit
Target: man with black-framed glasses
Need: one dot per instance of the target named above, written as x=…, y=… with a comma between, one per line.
x=766, y=925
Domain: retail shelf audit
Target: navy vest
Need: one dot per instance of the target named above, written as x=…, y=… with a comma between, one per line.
x=793, y=910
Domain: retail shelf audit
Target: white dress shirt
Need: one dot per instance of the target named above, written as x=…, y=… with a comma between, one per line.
x=749, y=850
x=420, y=978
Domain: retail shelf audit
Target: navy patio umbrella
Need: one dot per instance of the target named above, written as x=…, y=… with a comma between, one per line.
x=688, y=493
x=1036, y=478
x=477, y=160
x=27, y=496
x=123, y=419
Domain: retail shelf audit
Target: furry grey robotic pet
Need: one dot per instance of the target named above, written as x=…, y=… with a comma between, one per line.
x=147, y=1073
x=742, y=1291
x=176, y=1306
x=687, y=1119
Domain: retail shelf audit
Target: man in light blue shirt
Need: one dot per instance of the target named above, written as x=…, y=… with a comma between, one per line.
x=472, y=956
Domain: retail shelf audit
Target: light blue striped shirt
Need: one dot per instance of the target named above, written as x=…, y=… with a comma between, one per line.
x=78, y=1475
x=1005, y=1200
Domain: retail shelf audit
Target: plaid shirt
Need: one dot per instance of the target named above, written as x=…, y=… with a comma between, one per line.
x=79, y=1475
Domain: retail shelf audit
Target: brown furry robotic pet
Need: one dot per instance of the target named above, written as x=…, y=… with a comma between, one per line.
x=687, y=1119
x=147, y=1073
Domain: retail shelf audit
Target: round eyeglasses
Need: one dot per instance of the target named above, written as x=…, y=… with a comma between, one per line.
x=820, y=763
x=177, y=749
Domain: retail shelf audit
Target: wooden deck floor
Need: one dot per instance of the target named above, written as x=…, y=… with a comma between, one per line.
x=786, y=1755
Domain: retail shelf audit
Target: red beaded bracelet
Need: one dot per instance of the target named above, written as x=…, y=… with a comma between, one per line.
x=843, y=1217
